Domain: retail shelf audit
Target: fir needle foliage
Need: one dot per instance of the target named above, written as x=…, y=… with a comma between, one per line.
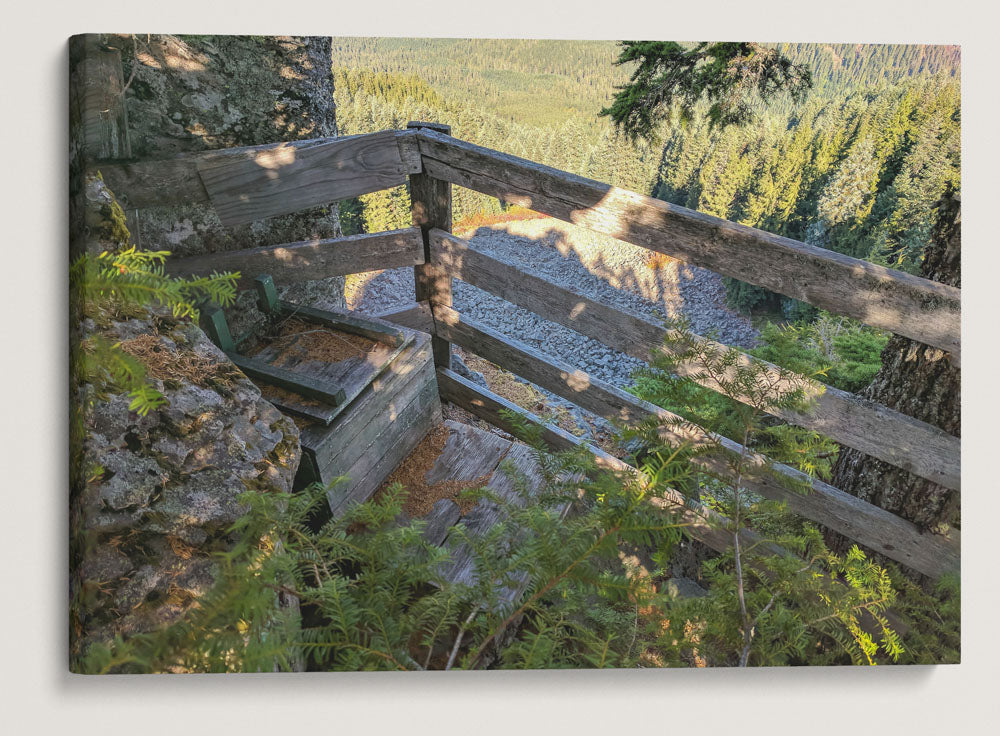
x=671, y=79
x=364, y=593
x=136, y=278
x=124, y=282
x=803, y=604
x=548, y=589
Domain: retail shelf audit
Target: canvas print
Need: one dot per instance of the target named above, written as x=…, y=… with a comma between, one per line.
x=462, y=354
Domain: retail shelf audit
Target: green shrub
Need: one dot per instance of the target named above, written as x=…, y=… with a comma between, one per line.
x=363, y=592
x=800, y=605
x=845, y=352
x=370, y=595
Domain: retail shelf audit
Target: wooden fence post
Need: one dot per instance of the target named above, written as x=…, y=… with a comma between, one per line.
x=98, y=121
x=431, y=206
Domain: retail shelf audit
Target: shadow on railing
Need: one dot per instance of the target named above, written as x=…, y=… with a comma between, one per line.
x=241, y=188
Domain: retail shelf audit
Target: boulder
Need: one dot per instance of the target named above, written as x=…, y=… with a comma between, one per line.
x=160, y=491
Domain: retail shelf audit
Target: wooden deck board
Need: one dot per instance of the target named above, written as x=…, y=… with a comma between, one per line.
x=470, y=454
x=485, y=514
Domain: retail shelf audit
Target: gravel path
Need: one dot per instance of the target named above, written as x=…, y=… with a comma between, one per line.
x=599, y=266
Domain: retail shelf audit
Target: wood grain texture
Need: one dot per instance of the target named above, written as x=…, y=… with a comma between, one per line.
x=923, y=310
x=389, y=394
x=175, y=180
x=409, y=151
x=309, y=260
x=287, y=179
x=876, y=430
x=353, y=323
x=440, y=520
x=468, y=454
x=274, y=175
x=384, y=455
x=289, y=380
x=484, y=515
x=420, y=392
x=350, y=376
x=487, y=406
x=430, y=200
x=97, y=98
x=418, y=317
x=863, y=522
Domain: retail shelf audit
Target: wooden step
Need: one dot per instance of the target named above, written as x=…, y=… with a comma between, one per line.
x=470, y=456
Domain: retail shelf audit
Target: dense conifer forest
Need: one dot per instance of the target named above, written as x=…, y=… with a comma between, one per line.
x=857, y=167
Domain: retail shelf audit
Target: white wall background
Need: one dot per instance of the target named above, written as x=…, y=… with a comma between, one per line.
x=39, y=696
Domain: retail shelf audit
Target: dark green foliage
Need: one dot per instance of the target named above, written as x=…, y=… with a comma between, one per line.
x=934, y=618
x=797, y=611
x=878, y=119
x=393, y=88
x=861, y=175
x=573, y=145
x=352, y=220
x=534, y=82
x=363, y=593
x=845, y=352
x=747, y=298
x=840, y=67
x=541, y=83
x=734, y=79
x=130, y=278
x=805, y=605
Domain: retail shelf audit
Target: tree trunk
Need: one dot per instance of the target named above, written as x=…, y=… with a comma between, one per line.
x=188, y=94
x=924, y=383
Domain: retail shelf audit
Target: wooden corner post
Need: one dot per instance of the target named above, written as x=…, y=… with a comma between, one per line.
x=431, y=205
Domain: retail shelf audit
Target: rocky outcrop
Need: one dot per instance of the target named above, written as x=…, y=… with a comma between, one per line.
x=159, y=492
x=152, y=497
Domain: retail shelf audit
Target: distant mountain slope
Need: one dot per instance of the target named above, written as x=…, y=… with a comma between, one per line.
x=845, y=67
x=541, y=82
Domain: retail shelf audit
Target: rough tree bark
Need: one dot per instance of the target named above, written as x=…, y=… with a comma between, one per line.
x=187, y=94
x=924, y=383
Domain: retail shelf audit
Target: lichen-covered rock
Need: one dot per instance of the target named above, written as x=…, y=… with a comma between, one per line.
x=162, y=490
x=152, y=497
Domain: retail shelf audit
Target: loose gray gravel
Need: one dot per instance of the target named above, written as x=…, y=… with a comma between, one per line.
x=599, y=266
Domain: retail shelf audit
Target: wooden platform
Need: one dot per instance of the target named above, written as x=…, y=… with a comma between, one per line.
x=376, y=430
x=470, y=455
x=325, y=358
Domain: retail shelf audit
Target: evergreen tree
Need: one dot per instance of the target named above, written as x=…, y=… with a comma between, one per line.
x=732, y=77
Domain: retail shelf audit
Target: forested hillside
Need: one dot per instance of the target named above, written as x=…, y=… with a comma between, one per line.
x=857, y=167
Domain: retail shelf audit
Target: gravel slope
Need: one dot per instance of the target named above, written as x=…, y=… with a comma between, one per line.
x=599, y=266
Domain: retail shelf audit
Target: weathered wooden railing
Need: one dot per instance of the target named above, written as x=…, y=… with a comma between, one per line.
x=252, y=183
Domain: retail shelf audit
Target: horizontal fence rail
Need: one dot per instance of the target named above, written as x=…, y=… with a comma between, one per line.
x=310, y=260
x=247, y=184
x=871, y=428
x=488, y=406
x=863, y=522
x=907, y=305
